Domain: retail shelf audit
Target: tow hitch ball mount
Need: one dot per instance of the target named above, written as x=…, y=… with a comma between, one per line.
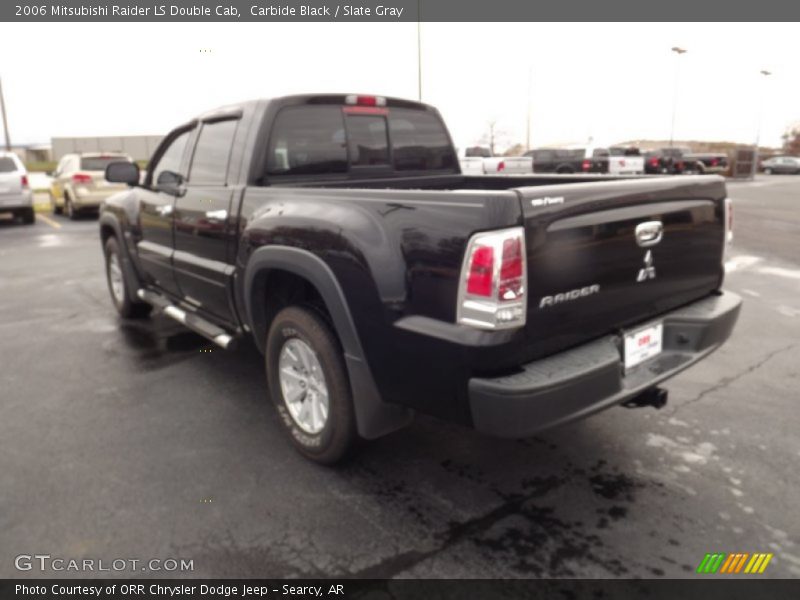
x=654, y=396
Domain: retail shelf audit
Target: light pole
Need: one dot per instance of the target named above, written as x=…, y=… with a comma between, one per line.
x=528, y=122
x=419, y=50
x=764, y=73
x=5, y=120
x=678, y=51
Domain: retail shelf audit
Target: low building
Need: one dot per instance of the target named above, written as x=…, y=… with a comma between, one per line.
x=33, y=153
x=139, y=147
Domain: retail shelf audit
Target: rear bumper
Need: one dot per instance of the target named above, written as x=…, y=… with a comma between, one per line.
x=579, y=382
x=91, y=200
x=9, y=202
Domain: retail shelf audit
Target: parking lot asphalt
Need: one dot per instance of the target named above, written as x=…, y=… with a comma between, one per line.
x=123, y=440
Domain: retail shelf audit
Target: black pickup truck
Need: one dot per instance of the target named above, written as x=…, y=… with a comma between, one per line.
x=338, y=232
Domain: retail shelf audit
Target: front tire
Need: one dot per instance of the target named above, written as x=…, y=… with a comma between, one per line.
x=309, y=386
x=121, y=296
x=69, y=208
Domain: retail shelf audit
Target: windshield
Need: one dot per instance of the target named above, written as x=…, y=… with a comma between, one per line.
x=99, y=163
x=7, y=165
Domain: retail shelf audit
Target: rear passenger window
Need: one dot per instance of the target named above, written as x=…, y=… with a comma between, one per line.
x=307, y=140
x=211, y=154
x=7, y=165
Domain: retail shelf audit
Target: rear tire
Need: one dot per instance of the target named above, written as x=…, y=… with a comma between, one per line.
x=309, y=386
x=57, y=210
x=69, y=208
x=121, y=296
x=28, y=216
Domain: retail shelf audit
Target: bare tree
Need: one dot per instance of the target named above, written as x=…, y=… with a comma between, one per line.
x=493, y=136
x=791, y=139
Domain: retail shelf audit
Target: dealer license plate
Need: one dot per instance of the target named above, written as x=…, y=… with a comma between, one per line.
x=643, y=344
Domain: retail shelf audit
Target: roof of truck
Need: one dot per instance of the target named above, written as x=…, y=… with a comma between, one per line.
x=232, y=110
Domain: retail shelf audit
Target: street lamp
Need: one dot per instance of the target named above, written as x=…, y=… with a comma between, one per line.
x=678, y=51
x=764, y=73
x=5, y=119
x=419, y=50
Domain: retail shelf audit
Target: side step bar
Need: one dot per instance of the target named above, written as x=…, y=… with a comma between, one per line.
x=197, y=324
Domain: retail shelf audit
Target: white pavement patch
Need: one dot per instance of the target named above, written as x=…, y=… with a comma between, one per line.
x=778, y=271
x=49, y=240
x=788, y=311
x=683, y=448
x=738, y=263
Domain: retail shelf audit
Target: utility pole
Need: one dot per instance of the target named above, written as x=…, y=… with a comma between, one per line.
x=765, y=74
x=528, y=124
x=419, y=50
x=5, y=119
x=678, y=51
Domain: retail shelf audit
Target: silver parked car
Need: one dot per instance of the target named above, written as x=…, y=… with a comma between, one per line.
x=15, y=191
x=781, y=164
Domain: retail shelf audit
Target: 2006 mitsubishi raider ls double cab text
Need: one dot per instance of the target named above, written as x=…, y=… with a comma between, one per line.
x=378, y=281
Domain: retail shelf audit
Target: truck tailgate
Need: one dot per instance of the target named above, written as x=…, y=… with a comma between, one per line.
x=589, y=273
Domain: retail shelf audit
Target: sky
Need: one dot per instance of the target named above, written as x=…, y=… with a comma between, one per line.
x=611, y=82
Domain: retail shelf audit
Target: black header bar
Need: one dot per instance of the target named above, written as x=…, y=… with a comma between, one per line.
x=397, y=10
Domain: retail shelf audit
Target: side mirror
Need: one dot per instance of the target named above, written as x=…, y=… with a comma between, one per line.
x=123, y=172
x=169, y=182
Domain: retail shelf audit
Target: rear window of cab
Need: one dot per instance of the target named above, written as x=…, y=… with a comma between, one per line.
x=318, y=140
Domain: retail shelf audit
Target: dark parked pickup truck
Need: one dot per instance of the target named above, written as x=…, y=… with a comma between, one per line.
x=339, y=233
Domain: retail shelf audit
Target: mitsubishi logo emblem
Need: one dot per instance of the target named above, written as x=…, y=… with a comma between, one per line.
x=648, y=271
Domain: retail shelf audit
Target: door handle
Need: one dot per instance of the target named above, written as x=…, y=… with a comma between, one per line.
x=217, y=215
x=164, y=210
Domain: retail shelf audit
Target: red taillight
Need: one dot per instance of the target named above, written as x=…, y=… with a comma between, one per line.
x=654, y=162
x=501, y=166
x=714, y=162
x=481, y=271
x=25, y=181
x=679, y=165
x=81, y=178
x=492, y=290
x=586, y=165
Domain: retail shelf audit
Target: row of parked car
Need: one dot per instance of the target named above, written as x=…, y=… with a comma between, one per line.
x=614, y=160
x=78, y=185
x=477, y=160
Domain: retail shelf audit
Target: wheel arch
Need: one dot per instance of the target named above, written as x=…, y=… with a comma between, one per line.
x=111, y=227
x=374, y=417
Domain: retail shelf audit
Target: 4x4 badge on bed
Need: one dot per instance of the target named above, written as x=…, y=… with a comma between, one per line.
x=648, y=271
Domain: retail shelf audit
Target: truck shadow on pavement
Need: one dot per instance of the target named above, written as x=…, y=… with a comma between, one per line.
x=448, y=501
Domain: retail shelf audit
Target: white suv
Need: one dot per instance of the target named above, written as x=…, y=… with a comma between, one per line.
x=15, y=191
